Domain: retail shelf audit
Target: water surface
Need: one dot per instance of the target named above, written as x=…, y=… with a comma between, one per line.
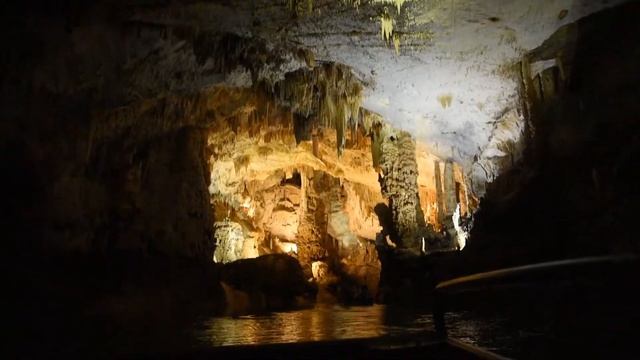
x=327, y=323
x=317, y=324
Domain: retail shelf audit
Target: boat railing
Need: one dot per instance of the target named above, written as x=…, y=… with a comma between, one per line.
x=479, y=281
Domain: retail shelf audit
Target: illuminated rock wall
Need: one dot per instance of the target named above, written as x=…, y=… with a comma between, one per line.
x=294, y=202
x=231, y=243
x=205, y=138
x=121, y=143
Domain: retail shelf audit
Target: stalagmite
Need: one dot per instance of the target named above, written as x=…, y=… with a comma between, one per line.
x=399, y=185
x=449, y=189
x=439, y=191
x=315, y=144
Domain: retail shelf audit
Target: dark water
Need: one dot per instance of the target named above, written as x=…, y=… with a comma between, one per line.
x=324, y=323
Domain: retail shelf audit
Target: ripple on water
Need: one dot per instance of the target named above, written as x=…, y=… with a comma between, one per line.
x=318, y=324
x=326, y=323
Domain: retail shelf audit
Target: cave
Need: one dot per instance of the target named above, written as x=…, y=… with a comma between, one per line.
x=321, y=178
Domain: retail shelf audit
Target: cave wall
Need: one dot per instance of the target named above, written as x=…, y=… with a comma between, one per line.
x=286, y=191
x=432, y=192
x=108, y=88
x=284, y=199
x=573, y=193
x=134, y=138
x=423, y=191
x=157, y=199
x=104, y=128
x=98, y=159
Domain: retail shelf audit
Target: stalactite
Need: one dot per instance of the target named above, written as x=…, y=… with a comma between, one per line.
x=329, y=94
x=397, y=3
x=386, y=26
x=354, y=3
x=300, y=7
x=396, y=43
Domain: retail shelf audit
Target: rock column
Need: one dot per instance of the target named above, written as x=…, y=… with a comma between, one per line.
x=439, y=192
x=449, y=190
x=399, y=184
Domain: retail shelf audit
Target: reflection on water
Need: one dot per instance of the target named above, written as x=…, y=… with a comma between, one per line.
x=320, y=323
x=336, y=323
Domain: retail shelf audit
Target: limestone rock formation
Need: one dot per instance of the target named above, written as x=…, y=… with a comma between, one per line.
x=398, y=181
x=568, y=194
x=315, y=210
x=231, y=243
x=265, y=283
x=163, y=156
x=162, y=133
x=306, y=199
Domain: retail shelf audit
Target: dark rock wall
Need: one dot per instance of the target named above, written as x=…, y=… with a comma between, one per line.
x=106, y=183
x=575, y=191
x=158, y=196
x=147, y=198
x=101, y=127
x=147, y=195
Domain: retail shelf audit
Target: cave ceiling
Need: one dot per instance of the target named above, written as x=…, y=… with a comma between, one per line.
x=446, y=73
